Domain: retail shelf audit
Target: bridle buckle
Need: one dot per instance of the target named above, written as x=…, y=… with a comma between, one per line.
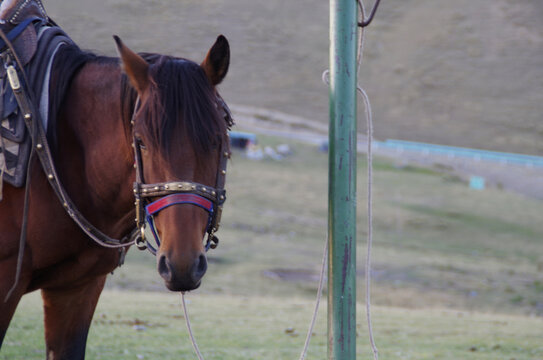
x=140, y=241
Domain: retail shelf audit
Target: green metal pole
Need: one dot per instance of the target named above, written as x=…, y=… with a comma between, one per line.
x=342, y=182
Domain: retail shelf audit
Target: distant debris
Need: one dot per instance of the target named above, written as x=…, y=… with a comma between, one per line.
x=242, y=140
x=477, y=183
x=254, y=152
x=249, y=143
x=323, y=147
x=272, y=154
x=284, y=150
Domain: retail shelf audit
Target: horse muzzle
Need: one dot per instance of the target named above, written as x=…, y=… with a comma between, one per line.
x=186, y=280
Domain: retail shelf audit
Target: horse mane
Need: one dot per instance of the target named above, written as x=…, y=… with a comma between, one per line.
x=68, y=62
x=179, y=89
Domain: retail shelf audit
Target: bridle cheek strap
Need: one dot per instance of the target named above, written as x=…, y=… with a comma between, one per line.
x=176, y=199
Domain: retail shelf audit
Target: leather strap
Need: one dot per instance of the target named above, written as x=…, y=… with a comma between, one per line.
x=16, y=31
x=40, y=144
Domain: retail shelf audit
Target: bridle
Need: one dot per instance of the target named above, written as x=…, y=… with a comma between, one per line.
x=173, y=193
x=211, y=199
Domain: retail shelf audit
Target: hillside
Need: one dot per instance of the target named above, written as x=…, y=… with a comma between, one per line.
x=464, y=73
x=458, y=73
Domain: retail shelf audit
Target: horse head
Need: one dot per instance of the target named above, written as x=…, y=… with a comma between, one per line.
x=180, y=140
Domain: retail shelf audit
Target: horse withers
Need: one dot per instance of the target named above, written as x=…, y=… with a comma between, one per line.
x=166, y=113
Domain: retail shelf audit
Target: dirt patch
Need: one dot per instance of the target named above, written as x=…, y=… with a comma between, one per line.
x=291, y=275
x=506, y=289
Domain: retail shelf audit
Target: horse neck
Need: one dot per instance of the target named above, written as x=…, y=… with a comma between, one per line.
x=94, y=156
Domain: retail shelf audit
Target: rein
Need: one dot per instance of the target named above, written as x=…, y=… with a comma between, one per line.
x=40, y=146
x=172, y=193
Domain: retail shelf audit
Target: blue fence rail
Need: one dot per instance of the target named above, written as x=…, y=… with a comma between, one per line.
x=459, y=152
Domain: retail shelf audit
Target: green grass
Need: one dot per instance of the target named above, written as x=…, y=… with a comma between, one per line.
x=150, y=325
x=457, y=273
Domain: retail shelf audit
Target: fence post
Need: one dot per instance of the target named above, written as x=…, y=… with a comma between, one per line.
x=342, y=182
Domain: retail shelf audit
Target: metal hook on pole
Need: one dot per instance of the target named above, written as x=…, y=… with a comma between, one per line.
x=367, y=21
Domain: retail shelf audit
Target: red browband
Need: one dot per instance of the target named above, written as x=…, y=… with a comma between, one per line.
x=174, y=199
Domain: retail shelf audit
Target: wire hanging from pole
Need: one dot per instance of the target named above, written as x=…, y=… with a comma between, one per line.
x=317, y=302
x=189, y=328
x=366, y=22
x=369, y=123
x=369, y=129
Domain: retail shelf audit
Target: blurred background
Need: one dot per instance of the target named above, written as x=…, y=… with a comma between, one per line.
x=458, y=73
x=458, y=243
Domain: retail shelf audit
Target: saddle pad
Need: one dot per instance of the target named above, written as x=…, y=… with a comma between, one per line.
x=11, y=165
x=14, y=145
x=36, y=46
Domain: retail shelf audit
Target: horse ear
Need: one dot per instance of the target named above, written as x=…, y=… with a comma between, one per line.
x=217, y=61
x=135, y=67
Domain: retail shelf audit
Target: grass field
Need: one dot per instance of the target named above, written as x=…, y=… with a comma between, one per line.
x=150, y=325
x=457, y=273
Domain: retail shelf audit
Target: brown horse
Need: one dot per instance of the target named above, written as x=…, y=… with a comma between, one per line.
x=171, y=108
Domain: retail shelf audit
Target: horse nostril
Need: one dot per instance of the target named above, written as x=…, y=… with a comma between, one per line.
x=164, y=268
x=199, y=268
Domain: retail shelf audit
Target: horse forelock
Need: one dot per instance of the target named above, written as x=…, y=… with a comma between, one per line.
x=182, y=104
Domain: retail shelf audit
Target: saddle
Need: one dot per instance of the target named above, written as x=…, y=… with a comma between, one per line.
x=28, y=52
x=23, y=21
x=14, y=12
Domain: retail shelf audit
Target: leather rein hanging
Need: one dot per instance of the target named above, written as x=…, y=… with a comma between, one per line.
x=40, y=146
x=172, y=193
